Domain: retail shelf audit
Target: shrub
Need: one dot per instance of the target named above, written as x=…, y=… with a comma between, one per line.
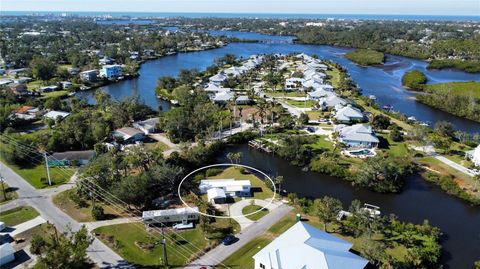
x=213, y=172
x=98, y=212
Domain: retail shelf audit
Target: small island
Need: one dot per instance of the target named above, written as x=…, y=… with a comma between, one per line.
x=366, y=57
x=414, y=80
x=466, y=65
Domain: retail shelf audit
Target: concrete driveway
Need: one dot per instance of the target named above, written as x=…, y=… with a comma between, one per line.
x=237, y=215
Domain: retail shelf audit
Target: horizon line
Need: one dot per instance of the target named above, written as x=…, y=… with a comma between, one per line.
x=246, y=13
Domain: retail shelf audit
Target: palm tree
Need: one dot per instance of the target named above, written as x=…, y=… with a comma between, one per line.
x=279, y=180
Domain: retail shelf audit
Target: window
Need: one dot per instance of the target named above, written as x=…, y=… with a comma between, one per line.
x=262, y=266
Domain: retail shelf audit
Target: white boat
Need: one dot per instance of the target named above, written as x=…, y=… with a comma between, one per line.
x=412, y=118
x=373, y=210
x=372, y=97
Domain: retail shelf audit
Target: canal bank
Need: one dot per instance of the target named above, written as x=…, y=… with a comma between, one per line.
x=418, y=201
x=382, y=81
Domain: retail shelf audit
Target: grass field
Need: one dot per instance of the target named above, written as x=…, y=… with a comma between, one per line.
x=54, y=94
x=286, y=94
x=37, y=175
x=10, y=193
x=301, y=104
x=252, y=208
x=81, y=214
x=334, y=77
x=143, y=249
x=469, y=88
x=398, y=149
x=322, y=143
x=18, y=215
x=261, y=189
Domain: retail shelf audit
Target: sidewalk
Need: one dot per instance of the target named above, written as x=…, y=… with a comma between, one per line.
x=22, y=227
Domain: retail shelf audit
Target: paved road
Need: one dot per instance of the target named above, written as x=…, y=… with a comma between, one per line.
x=221, y=252
x=102, y=255
x=430, y=150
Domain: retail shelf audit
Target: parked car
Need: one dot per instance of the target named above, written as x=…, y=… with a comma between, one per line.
x=229, y=239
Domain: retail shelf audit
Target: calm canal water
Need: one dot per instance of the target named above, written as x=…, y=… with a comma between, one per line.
x=419, y=200
x=383, y=82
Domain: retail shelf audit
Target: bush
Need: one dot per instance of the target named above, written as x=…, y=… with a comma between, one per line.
x=79, y=201
x=98, y=213
x=241, y=137
x=213, y=172
x=448, y=184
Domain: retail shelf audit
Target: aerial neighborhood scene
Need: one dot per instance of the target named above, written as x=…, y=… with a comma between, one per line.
x=240, y=135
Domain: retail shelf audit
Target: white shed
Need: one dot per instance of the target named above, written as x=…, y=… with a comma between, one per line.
x=176, y=215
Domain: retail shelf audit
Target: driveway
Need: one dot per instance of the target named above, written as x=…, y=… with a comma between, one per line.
x=430, y=150
x=221, y=252
x=237, y=215
x=22, y=227
x=41, y=200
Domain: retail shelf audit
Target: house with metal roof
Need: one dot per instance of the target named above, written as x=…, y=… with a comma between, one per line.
x=7, y=254
x=357, y=136
x=147, y=126
x=332, y=101
x=54, y=115
x=68, y=158
x=348, y=114
x=182, y=215
x=306, y=247
x=129, y=134
x=218, y=190
x=218, y=78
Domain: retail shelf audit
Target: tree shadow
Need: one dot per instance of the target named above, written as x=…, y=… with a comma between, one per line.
x=383, y=143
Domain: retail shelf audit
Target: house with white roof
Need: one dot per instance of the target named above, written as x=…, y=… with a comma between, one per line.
x=357, y=136
x=233, y=71
x=111, y=71
x=348, y=114
x=319, y=93
x=474, y=155
x=54, y=115
x=331, y=101
x=7, y=254
x=223, y=97
x=148, y=126
x=129, y=134
x=306, y=247
x=218, y=190
x=293, y=84
x=218, y=79
x=182, y=215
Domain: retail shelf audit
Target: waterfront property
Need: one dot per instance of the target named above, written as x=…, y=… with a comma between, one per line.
x=331, y=101
x=89, y=75
x=348, y=114
x=129, y=134
x=357, y=136
x=304, y=246
x=474, y=155
x=218, y=190
x=111, y=71
x=183, y=215
x=74, y=158
x=148, y=126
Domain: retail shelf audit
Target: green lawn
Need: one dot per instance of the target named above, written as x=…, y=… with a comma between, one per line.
x=261, y=190
x=54, y=94
x=323, y=143
x=301, y=104
x=64, y=201
x=469, y=88
x=253, y=208
x=10, y=193
x=156, y=145
x=18, y=215
x=399, y=149
x=37, y=175
x=334, y=77
x=142, y=249
x=242, y=258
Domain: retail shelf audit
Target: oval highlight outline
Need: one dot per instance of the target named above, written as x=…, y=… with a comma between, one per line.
x=227, y=164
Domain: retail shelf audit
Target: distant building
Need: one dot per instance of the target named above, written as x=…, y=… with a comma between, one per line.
x=89, y=75
x=26, y=112
x=357, y=136
x=474, y=155
x=18, y=89
x=218, y=79
x=106, y=60
x=147, y=126
x=182, y=215
x=129, y=134
x=331, y=101
x=111, y=71
x=69, y=158
x=218, y=190
x=306, y=247
x=50, y=88
x=66, y=84
x=54, y=115
x=73, y=70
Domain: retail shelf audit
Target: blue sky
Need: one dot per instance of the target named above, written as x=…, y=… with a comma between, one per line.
x=415, y=7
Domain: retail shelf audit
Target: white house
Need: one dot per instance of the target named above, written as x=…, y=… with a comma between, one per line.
x=129, y=134
x=7, y=254
x=182, y=215
x=89, y=75
x=222, y=97
x=319, y=93
x=54, y=115
x=218, y=78
x=331, y=101
x=147, y=126
x=306, y=247
x=218, y=190
x=474, y=155
x=358, y=135
x=347, y=114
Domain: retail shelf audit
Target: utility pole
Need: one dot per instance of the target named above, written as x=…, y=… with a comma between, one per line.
x=48, y=169
x=164, y=243
x=2, y=182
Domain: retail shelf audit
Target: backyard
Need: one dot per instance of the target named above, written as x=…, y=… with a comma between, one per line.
x=18, y=215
